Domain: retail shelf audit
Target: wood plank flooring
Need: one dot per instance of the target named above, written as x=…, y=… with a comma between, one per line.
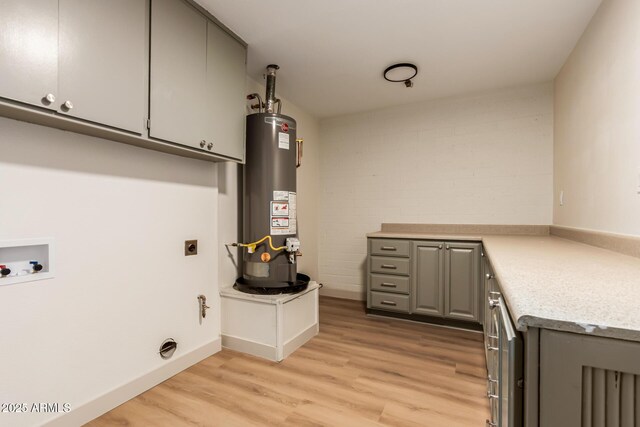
x=358, y=371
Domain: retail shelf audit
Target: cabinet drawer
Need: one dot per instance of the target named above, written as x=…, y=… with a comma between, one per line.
x=393, y=302
x=386, y=283
x=389, y=247
x=389, y=265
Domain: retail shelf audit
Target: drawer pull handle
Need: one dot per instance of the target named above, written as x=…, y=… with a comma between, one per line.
x=384, y=302
x=388, y=285
x=491, y=348
x=490, y=423
x=492, y=396
x=388, y=248
x=389, y=266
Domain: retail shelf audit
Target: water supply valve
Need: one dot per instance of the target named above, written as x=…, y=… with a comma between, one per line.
x=4, y=271
x=35, y=266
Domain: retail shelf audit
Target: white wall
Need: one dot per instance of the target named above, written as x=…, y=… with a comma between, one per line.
x=119, y=216
x=308, y=186
x=484, y=158
x=597, y=125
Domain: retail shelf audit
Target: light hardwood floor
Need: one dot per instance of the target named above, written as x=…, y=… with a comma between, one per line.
x=358, y=371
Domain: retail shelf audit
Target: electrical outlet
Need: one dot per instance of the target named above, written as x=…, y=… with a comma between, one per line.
x=190, y=247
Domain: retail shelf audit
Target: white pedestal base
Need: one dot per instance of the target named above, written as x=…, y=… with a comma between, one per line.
x=268, y=326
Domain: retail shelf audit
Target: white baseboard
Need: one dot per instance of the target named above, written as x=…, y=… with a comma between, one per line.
x=343, y=293
x=267, y=351
x=299, y=340
x=250, y=347
x=125, y=392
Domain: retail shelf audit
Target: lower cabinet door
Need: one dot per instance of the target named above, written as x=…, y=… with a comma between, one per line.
x=462, y=280
x=428, y=279
x=588, y=381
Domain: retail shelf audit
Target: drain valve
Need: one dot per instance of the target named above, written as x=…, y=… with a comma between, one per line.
x=167, y=348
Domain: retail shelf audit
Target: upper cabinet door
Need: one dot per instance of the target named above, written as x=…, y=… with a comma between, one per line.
x=102, y=67
x=29, y=51
x=226, y=71
x=178, y=73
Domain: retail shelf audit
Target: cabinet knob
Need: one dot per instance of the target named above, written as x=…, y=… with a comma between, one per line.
x=49, y=98
x=68, y=105
x=210, y=145
x=439, y=246
x=488, y=276
x=203, y=143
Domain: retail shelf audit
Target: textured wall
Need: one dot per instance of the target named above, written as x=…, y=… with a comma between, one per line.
x=597, y=125
x=483, y=158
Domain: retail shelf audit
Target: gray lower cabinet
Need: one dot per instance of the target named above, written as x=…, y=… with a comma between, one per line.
x=389, y=269
x=588, y=381
x=440, y=279
x=197, y=81
x=462, y=281
x=446, y=280
x=80, y=58
x=428, y=278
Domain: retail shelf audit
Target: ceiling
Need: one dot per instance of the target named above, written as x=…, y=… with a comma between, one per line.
x=332, y=53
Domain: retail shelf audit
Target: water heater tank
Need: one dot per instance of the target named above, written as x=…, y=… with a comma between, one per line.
x=270, y=203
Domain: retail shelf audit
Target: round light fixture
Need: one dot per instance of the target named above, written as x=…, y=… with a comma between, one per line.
x=402, y=72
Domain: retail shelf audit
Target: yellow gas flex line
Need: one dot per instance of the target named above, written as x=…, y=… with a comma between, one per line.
x=252, y=246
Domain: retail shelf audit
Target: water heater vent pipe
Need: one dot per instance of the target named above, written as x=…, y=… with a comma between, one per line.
x=271, y=88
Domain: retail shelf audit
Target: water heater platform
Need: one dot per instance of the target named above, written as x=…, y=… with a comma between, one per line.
x=269, y=326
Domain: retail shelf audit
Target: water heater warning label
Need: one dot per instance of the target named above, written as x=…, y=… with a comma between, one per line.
x=280, y=222
x=283, y=140
x=283, y=213
x=279, y=209
x=280, y=195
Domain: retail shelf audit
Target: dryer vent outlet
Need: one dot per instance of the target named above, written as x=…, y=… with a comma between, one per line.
x=167, y=348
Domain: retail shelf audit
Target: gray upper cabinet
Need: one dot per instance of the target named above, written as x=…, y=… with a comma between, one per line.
x=178, y=73
x=80, y=58
x=226, y=70
x=197, y=81
x=428, y=279
x=114, y=69
x=462, y=280
x=29, y=51
x=102, y=66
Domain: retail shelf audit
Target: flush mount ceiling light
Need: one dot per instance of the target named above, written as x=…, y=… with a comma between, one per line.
x=402, y=72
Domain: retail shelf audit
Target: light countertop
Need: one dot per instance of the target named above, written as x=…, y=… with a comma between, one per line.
x=553, y=283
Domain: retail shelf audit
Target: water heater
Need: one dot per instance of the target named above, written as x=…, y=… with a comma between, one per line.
x=270, y=224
